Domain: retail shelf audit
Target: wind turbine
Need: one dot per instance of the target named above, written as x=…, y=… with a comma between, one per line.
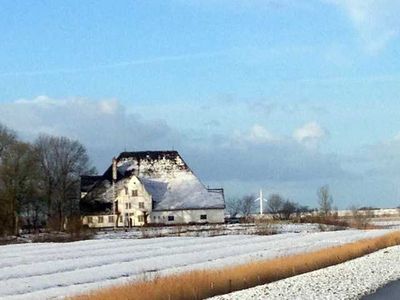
x=261, y=199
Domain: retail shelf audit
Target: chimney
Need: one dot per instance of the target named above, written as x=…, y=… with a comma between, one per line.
x=114, y=169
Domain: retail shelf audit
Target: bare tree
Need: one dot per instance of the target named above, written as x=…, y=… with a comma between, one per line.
x=325, y=200
x=7, y=138
x=46, y=155
x=247, y=205
x=274, y=205
x=17, y=181
x=233, y=206
x=288, y=209
x=62, y=161
x=361, y=217
x=301, y=209
x=34, y=211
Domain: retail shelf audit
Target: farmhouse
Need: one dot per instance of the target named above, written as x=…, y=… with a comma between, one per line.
x=148, y=187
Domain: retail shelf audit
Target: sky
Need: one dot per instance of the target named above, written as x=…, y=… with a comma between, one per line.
x=283, y=95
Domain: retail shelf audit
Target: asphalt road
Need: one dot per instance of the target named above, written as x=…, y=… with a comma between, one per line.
x=390, y=291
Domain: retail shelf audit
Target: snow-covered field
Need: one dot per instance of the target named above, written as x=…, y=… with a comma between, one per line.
x=389, y=224
x=349, y=280
x=44, y=270
x=211, y=230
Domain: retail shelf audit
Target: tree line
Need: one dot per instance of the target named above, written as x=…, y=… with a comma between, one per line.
x=279, y=207
x=39, y=181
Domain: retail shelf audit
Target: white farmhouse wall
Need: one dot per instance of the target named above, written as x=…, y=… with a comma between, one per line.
x=129, y=204
x=187, y=216
x=160, y=217
x=107, y=221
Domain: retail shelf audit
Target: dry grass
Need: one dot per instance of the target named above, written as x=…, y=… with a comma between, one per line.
x=360, y=221
x=207, y=283
x=332, y=220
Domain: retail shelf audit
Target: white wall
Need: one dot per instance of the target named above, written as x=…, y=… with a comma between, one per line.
x=124, y=197
x=187, y=216
x=95, y=221
x=161, y=217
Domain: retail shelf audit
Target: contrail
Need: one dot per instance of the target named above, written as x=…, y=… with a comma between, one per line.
x=122, y=64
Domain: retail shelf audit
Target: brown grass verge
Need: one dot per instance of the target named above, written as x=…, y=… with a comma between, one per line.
x=208, y=283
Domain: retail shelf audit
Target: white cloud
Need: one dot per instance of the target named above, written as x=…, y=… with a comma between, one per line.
x=105, y=127
x=259, y=134
x=376, y=21
x=108, y=106
x=251, y=157
x=309, y=134
x=256, y=135
x=397, y=137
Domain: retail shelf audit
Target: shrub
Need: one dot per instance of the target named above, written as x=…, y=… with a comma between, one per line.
x=75, y=227
x=361, y=218
x=321, y=219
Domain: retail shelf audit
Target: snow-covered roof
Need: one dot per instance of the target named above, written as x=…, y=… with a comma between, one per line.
x=184, y=191
x=167, y=178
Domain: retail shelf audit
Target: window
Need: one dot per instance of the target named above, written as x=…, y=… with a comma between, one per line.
x=126, y=205
x=126, y=190
x=89, y=219
x=154, y=217
x=130, y=205
x=110, y=219
x=131, y=214
x=203, y=217
x=100, y=220
x=171, y=218
x=141, y=204
x=134, y=193
x=122, y=219
x=140, y=218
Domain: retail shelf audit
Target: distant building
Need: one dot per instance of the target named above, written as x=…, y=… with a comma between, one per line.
x=148, y=187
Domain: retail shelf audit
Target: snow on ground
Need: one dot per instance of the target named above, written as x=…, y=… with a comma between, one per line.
x=45, y=270
x=389, y=224
x=212, y=230
x=349, y=280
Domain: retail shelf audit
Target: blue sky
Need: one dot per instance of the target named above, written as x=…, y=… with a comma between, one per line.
x=280, y=94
